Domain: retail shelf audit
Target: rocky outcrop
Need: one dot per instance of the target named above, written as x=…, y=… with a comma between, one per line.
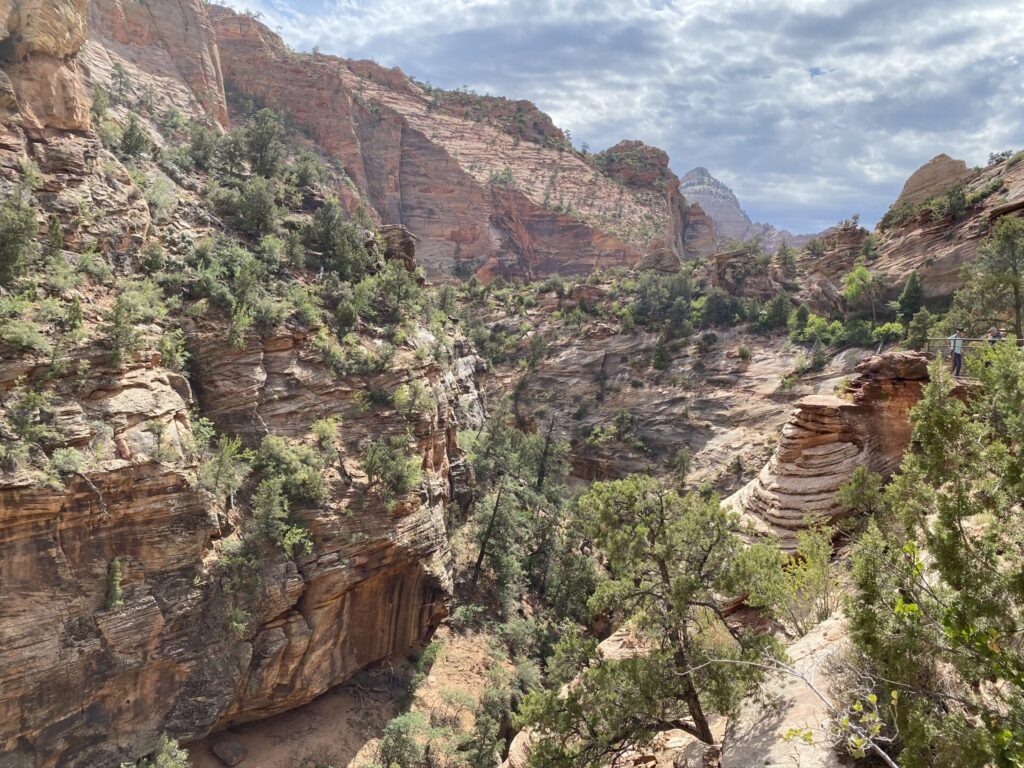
x=87, y=681
x=40, y=82
x=788, y=705
x=731, y=221
x=486, y=186
x=169, y=44
x=933, y=178
x=826, y=439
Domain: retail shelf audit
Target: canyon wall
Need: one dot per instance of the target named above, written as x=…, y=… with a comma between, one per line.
x=487, y=186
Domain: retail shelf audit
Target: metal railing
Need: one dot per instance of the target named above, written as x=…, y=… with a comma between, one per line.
x=943, y=347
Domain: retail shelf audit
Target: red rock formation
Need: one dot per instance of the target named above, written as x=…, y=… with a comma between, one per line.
x=933, y=178
x=827, y=438
x=482, y=191
x=163, y=45
x=40, y=82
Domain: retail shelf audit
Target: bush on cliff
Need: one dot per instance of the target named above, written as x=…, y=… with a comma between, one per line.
x=938, y=603
x=18, y=233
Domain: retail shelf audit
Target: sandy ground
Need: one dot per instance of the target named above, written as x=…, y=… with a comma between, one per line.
x=340, y=729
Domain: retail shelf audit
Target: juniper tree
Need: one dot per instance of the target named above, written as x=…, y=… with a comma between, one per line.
x=938, y=607
x=670, y=560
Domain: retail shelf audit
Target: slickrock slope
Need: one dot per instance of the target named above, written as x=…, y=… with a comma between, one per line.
x=731, y=222
x=465, y=178
x=827, y=438
x=168, y=47
x=933, y=178
x=40, y=80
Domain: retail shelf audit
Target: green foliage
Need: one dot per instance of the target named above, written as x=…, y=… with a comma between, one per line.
x=888, y=332
x=994, y=283
x=775, y=314
x=337, y=244
x=264, y=148
x=122, y=338
x=392, y=472
x=938, y=604
x=115, y=595
x=168, y=754
x=269, y=520
x=403, y=742
x=786, y=258
x=223, y=466
x=862, y=495
x=18, y=232
x=202, y=146
x=672, y=558
x=134, y=141
x=860, y=286
x=297, y=466
x=308, y=169
x=920, y=329
x=662, y=358
x=719, y=308
x=910, y=299
x=806, y=589
x=100, y=103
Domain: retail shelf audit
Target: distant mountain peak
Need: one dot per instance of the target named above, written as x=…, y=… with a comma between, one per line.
x=731, y=222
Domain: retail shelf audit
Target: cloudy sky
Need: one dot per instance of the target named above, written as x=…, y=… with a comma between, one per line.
x=811, y=110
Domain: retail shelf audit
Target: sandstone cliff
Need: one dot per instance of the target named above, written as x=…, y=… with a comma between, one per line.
x=487, y=186
x=40, y=81
x=731, y=221
x=827, y=438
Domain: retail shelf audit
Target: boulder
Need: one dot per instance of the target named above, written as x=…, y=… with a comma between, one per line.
x=229, y=751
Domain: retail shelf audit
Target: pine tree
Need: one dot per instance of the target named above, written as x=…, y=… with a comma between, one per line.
x=909, y=301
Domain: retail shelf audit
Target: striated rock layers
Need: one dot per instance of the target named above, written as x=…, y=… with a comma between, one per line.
x=40, y=82
x=731, y=222
x=88, y=677
x=933, y=178
x=827, y=438
x=487, y=186
x=168, y=48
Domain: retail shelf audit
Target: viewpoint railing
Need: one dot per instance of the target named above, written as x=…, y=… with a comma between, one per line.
x=943, y=347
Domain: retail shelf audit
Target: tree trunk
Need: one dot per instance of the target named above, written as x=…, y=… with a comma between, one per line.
x=542, y=470
x=1017, y=311
x=487, y=537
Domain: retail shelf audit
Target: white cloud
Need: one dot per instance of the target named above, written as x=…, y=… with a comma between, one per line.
x=722, y=83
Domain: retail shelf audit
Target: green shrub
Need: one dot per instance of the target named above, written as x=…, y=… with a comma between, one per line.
x=298, y=467
x=173, y=354
x=134, y=142
x=18, y=233
x=888, y=332
x=403, y=742
x=308, y=169
x=115, y=596
x=269, y=520
x=202, y=146
x=337, y=244
x=263, y=143
x=392, y=472
x=24, y=335
x=119, y=330
x=168, y=754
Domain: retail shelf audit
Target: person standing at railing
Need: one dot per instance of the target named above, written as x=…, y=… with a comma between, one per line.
x=956, y=345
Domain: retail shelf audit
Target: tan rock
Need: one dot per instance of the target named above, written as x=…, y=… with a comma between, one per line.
x=932, y=179
x=826, y=439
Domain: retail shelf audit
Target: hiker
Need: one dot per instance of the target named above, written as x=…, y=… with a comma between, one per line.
x=993, y=336
x=956, y=344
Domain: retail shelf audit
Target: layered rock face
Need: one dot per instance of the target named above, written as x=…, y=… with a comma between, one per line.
x=936, y=246
x=826, y=439
x=731, y=222
x=40, y=82
x=84, y=682
x=169, y=47
x=933, y=178
x=487, y=186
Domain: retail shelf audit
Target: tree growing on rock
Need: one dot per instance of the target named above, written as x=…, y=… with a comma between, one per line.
x=938, y=604
x=861, y=286
x=669, y=561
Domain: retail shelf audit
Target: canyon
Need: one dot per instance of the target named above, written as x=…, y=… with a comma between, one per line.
x=460, y=186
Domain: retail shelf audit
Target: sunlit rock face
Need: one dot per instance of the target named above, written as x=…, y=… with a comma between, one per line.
x=827, y=438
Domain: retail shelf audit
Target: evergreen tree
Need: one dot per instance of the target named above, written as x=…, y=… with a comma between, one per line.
x=860, y=285
x=909, y=302
x=939, y=602
x=18, y=232
x=122, y=337
x=263, y=143
x=134, y=141
x=670, y=559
